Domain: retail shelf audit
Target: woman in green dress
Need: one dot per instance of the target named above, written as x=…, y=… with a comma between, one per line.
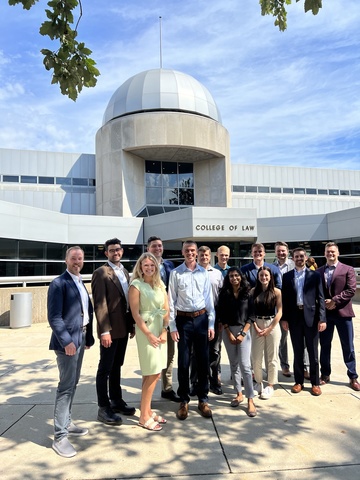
x=149, y=308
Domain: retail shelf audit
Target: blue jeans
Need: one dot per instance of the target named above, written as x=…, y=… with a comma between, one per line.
x=193, y=334
x=69, y=374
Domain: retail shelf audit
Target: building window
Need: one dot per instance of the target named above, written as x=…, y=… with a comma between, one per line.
x=63, y=180
x=168, y=183
x=275, y=189
x=333, y=191
x=11, y=178
x=83, y=182
x=263, y=189
x=344, y=192
x=28, y=179
x=300, y=191
x=251, y=189
x=322, y=191
x=311, y=191
x=288, y=190
x=238, y=188
x=92, y=182
x=46, y=180
x=355, y=193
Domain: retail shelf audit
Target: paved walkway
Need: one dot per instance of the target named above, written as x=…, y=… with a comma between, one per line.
x=293, y=436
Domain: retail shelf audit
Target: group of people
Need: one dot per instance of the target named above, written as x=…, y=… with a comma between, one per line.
x=197, y=306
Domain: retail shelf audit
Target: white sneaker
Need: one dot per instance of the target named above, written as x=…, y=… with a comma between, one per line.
x=267, y=393
x=64, y=448
x=258, y=388
x=77, y=431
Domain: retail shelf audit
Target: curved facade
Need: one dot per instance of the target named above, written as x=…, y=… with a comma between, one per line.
x=161, y=89
x=161, y=116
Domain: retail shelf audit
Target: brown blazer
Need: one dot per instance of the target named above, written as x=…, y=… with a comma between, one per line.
x=110, y=303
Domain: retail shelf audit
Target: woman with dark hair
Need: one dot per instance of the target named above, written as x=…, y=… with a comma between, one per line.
x=233, y=312
x=266, y=314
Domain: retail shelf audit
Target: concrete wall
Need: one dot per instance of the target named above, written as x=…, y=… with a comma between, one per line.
x=39, y=303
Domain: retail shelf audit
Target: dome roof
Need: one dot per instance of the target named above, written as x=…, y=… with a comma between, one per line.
x=161, y=89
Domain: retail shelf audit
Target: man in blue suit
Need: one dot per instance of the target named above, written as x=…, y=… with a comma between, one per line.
x=70, y=316
x=304, y=316
x=155, y=246
x=251, y=269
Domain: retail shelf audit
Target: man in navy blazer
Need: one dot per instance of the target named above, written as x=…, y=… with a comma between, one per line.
x=70, y=315
x=304, y=315
x=339, y=283
x=251, y=269
x=155, y=246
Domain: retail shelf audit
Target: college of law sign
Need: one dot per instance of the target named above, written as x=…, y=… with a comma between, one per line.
x=221, y=227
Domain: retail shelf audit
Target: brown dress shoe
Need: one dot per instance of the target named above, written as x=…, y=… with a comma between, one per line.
x=183, y=411
x=205, y=410
x=297, y=388
x=316, y=390
x=354, y=384
x=324, y=379
x=286, y=372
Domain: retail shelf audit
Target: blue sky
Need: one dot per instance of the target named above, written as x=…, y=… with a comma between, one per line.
x=289, y=98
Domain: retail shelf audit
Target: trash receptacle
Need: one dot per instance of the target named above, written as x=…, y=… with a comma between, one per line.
x=20, y=310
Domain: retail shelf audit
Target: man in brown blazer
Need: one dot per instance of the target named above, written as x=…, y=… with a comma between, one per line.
x=110, y=285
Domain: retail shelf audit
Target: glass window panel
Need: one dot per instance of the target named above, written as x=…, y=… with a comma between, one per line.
x=344, y=192
x=143, y=213
x=31, y=269
x=8, y=248
x=263, y=189
x=238, y=188
x=170, y=209
x=55, y=251
x=152, y=167
x=288, y=190
x=92, y=182
x=186, y=168
x=8, y=269
x=11, y=178
x=170, y=196
x=54, y=268
x=155, y=210
x=169, y=174
x=186, y=196
x=88, y=251
x=300, y=191
x=355, y=193
x=153, y=196
x=311, y=191
x=153, y=179
x=31, y=250
x=333, y=191
x=186, y=180
x=46, y=180
x=80, y=182
x=250, y=189
x=322, y=191
x=28, y=179
x=63, y=180
x=275, y=189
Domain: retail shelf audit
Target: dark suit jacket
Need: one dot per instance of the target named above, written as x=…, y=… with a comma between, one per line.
x=314, y=304
x=168, y=266
x=65, y=314
x=342, y=289
x=250, y=271
x=110, y=303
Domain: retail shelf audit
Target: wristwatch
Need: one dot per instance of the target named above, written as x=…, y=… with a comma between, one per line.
x=243, y=333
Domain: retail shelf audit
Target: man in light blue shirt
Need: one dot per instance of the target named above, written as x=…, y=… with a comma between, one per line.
x=192, y=319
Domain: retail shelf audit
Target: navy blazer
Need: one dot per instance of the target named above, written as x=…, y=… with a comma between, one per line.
x=168, y=266
x=314, y=302
x=250, y=271
x=65, y=314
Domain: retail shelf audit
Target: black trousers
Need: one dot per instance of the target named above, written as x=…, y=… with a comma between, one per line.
x=109, y=372
x=300, y=331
